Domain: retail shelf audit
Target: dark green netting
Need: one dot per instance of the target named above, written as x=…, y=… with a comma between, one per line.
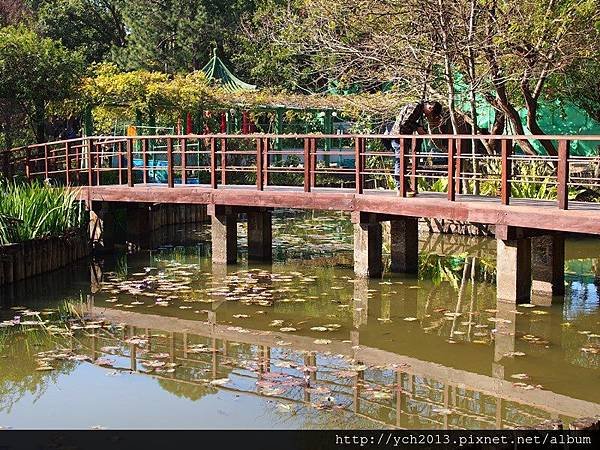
x=554, y=117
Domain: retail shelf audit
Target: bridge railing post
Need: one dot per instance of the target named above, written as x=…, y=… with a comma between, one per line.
x=505, y=179
x=402, y=169
x=170, y=174
x=27, y=162
x=313, y=162
x=266, y=148
x=359, y=167
x=259, y=164
x=307, y=161
x=129, y=144
x=451, y=170
x=223, y=161
x=562, y=191
x=213, y=163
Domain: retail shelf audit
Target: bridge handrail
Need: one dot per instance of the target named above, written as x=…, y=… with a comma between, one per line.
x=517, y=137
x=74, y=158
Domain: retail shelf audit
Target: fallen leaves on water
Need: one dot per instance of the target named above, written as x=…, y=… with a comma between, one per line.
x=109, y=349
x=381, y=395
x=592, y=350
x=527, y=387
x=520, y=376
x=104, y=362
x=272, y=391
x=346, y=373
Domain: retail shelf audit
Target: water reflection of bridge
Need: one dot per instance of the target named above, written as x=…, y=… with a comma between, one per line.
x=419, y=393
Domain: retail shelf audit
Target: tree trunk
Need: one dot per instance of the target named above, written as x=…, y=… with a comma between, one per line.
x=531, y=103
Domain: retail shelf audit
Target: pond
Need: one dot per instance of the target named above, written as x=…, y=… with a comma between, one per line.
x=161, y=339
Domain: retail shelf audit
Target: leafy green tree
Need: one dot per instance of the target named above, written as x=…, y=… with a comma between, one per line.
x=178, y=35
x=34, y=72
x=581, y=85
x=92, y=27
x=276, y=62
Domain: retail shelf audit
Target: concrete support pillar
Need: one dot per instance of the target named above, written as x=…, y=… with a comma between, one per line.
x=404, y=245
x=513, y=278
x=367, y=247
x=547, y=268
x=260, y=235
x=224, y=237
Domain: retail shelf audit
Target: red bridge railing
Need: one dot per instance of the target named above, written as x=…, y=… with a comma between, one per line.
x=486, y=166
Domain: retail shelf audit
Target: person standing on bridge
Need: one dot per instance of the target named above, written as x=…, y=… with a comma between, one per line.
x=408, y=121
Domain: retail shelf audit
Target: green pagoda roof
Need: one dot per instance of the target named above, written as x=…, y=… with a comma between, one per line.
x=216, y=70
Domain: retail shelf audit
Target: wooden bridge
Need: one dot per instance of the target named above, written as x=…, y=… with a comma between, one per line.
x=439, y=177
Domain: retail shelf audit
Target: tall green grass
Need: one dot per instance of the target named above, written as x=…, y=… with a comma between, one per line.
x=35, y=210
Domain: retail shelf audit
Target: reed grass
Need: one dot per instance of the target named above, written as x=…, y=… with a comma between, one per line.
x=35, y=210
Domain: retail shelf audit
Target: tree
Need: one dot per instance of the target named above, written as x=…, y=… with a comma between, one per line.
x=34, y=72
x=12, y=11
x=178, y=35
x=92, y=27
x=265, y=54
x=507, y=51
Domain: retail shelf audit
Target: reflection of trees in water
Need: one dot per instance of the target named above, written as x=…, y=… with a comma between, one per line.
x=438, y=268
x=18, y=374
x=190, y=391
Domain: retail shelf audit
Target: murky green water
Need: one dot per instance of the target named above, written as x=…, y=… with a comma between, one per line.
x=162, y=339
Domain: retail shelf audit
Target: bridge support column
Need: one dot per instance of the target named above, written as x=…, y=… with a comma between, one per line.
x=260, y=235
x=224, y=235
x=367, y=245
x=548, y=268
x=513, y=279
x=404, y=245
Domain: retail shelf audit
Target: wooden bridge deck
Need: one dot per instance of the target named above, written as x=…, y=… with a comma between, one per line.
x=581, y=217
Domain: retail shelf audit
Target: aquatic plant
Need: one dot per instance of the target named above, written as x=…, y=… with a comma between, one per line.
x=34, y=210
